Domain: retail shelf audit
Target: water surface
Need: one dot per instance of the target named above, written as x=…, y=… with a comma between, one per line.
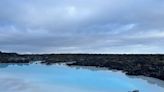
x=61, y=78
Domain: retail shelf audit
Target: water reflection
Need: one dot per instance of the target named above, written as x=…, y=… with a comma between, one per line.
x=54, y=78
x=9, y=64
x=150, y=80
x=89, y=68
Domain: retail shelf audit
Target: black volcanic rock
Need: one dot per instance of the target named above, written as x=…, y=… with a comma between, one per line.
x=132, y=64
x=134, y=91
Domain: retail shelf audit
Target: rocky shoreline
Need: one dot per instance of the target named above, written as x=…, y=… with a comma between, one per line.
x=132, y=64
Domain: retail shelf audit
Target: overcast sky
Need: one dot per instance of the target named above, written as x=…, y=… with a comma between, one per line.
x=82, y=26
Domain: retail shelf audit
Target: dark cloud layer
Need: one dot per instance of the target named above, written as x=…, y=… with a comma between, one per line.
x=82, y=26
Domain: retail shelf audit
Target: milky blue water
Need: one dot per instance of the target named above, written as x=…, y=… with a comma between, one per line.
x=61, y=78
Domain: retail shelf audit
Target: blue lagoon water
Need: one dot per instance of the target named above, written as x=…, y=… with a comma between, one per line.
x=61, y=78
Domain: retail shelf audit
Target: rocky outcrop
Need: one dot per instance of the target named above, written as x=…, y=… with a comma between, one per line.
x=139, y=64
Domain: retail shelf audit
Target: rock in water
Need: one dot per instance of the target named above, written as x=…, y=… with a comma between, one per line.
x=134, y=91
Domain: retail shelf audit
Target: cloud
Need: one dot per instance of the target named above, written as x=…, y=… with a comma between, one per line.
x=82, y=26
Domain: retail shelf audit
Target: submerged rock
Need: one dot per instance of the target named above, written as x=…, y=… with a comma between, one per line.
x=134, y=91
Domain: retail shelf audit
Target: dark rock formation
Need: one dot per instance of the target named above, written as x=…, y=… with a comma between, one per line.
x=134, y=91
x=132, y=64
